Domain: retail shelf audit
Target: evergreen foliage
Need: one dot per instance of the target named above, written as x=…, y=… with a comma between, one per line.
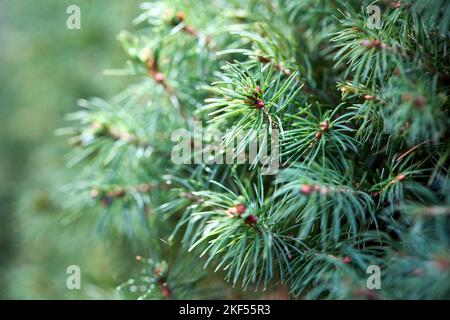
x=364, y=122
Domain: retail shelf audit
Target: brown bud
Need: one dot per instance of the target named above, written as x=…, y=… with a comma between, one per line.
x=180, y=16
x=325, y=125
x=419, y=102
x=263, y=59
x=259, y=104
x=318, y=135
x=118, y=193
x=376, y=43
x=370, y=44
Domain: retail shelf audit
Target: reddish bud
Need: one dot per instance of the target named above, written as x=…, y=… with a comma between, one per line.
x=259, y=104
x=306, y=189
x=318, y=135
x=159, y=77
x=346, y=260
x=165, y=291
x=369, y=97
x=240, y=208
x=251, y=220
x=237, y=210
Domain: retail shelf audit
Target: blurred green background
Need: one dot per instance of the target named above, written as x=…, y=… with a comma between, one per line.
x=45, y=68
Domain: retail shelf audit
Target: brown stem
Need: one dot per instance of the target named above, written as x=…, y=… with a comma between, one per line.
x=160, y=78
x=412, y=149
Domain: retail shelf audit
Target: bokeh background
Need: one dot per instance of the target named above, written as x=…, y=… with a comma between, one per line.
x=44, y=69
